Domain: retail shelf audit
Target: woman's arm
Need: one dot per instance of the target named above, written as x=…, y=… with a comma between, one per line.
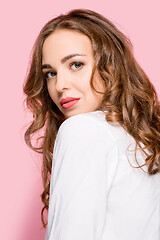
x=84, y=163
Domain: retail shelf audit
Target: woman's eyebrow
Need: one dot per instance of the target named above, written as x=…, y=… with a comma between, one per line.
x=46, y=66
x=63, y=60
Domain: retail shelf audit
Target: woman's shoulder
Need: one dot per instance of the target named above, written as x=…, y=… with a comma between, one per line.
x=85, y=125
x=94, y=121
x=91, y=127
x=85, y=133
x=84, y=122
x=94, y=117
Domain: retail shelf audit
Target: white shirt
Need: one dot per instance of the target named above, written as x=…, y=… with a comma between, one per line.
x=95, y=194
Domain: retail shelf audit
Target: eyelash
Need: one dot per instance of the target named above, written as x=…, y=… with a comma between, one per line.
x=71, y=64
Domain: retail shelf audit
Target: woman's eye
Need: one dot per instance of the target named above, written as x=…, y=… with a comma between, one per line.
x=76, y=65
x=49, y=75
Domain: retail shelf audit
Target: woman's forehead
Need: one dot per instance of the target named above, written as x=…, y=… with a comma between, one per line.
x=65, y=42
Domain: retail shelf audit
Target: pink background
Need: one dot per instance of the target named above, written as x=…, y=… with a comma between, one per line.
x=21, y=21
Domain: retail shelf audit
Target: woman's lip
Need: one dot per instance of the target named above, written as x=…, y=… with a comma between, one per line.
x=67, y=99
x=69, y=104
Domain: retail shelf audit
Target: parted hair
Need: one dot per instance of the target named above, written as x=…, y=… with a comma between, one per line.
x=129, y=98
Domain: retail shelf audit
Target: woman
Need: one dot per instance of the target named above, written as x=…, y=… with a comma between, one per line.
x=101, y=120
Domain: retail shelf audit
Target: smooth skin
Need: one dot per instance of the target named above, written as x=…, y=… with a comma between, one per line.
x=71, y=77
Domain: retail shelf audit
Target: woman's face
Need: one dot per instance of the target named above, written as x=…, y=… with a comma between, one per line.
x=67, y=62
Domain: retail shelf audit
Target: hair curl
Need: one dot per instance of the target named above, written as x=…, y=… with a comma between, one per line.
x=130, y=99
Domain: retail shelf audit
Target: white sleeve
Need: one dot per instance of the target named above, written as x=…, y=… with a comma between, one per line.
x=84, y=164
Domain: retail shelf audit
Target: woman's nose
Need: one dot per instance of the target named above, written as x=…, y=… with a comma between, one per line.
x=62, y=81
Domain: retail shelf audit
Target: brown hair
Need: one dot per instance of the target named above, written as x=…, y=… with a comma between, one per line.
x=130, y=98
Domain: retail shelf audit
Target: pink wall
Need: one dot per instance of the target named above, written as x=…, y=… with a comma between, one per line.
x=21, y=21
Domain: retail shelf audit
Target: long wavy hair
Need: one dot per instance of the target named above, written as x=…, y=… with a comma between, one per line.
x=130, y=99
